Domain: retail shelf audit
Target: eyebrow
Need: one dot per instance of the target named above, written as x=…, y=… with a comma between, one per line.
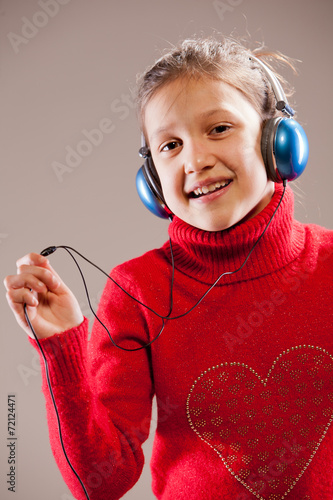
x=202, y=116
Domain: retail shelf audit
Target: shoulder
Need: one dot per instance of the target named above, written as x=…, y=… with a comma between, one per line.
x=319, y=246
x=319, y=237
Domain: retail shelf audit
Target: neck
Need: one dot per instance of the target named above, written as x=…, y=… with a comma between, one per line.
x=205, y=255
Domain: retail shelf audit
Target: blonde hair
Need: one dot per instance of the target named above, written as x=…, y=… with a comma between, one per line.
x=226, y=60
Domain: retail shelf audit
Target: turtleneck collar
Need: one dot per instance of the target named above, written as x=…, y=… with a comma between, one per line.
x=205, y=255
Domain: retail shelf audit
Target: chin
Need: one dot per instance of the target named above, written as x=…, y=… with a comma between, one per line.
x=214, y=227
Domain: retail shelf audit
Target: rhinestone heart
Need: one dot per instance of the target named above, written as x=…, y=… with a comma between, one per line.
x=266, y=431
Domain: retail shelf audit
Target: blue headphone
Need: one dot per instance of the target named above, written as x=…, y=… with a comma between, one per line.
x=284, y=148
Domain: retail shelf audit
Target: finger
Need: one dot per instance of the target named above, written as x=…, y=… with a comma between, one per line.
x=24, y=281
x=35, y=259
x=39, y=279
x=16, y=299
x=32, y=259
x=19, y=313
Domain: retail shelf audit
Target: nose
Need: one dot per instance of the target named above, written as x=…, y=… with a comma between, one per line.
x=197, y=157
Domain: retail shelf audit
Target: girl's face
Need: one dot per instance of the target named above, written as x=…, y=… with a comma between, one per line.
x=204, y=138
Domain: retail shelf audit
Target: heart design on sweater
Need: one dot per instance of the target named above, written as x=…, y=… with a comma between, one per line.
x=266, y=431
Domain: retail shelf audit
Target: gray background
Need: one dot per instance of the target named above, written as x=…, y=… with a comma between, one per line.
x=69, y=75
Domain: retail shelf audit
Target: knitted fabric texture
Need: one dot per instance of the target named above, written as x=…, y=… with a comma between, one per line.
x=243, y=383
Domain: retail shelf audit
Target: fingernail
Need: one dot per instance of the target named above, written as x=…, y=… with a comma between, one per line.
x=55, y=281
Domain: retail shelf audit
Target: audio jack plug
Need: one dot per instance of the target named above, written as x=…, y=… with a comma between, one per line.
x=47, y=251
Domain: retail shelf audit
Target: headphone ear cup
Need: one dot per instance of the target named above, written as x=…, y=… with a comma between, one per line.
x=267, y=140
x=149, y=190
x=285, y=149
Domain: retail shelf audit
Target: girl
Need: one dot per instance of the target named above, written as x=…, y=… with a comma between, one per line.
x=243, y=374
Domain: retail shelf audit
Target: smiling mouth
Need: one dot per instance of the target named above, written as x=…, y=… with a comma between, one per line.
x=211, y=188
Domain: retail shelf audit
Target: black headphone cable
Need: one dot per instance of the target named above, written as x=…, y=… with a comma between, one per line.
x=168, y=317
x=51, y=249
x=47, y=372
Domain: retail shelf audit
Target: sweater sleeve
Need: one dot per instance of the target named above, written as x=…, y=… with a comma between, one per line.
x=103, y=396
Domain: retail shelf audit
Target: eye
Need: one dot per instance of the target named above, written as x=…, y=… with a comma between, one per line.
x=171, y=145
x=220, y=129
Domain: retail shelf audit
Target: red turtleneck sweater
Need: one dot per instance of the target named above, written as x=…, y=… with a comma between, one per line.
x=244, y=382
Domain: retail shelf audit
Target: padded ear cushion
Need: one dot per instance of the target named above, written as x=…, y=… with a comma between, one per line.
x=285, y=149
x=149, y=190
x=153, y=179
x=267, y=141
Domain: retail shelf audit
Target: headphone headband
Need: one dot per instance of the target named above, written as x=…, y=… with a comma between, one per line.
x=280, y=96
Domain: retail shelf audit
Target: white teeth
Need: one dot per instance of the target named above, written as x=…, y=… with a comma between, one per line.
x=210, y=188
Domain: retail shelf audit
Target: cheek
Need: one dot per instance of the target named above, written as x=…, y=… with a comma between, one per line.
x=172, y=185
x=249, y=163
x=252, y=144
